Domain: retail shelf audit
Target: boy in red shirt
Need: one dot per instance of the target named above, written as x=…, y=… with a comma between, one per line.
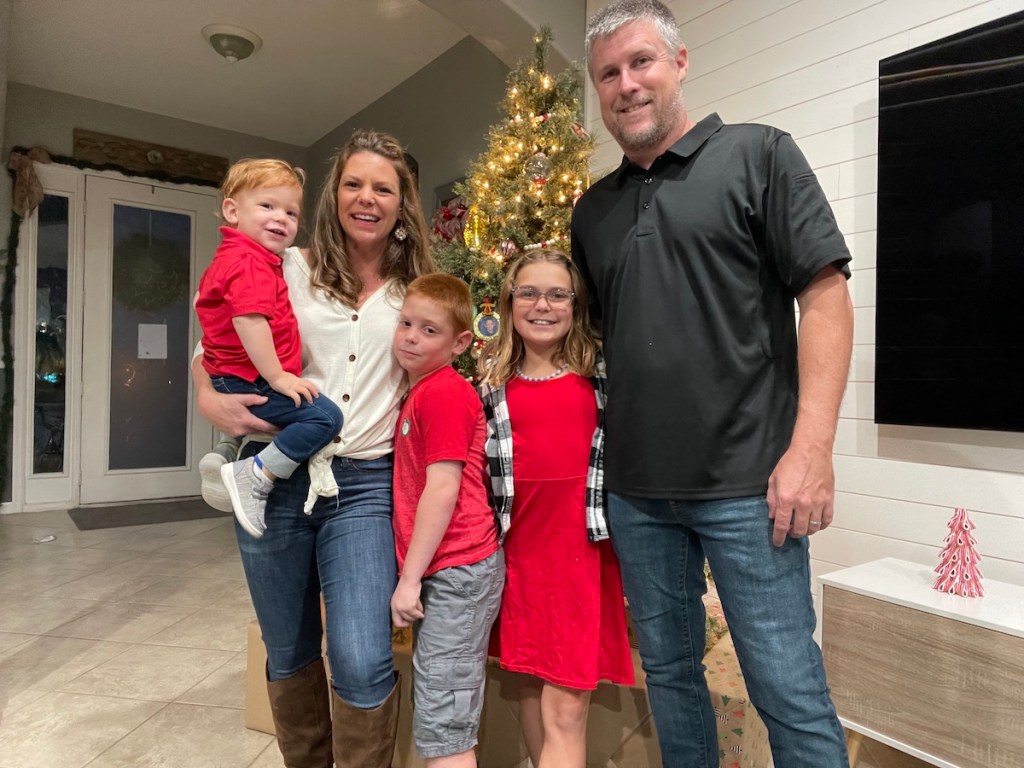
x=251, y=339
x=451, y=569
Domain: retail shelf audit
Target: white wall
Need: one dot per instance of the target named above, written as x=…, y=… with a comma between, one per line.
x=810, y=67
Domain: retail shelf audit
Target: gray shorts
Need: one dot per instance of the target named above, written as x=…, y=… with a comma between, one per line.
x=449, y=657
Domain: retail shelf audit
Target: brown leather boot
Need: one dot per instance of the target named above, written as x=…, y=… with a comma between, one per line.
x=302, y=717
x=365, y=738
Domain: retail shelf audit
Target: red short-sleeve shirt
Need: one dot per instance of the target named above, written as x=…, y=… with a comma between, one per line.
x=245, y=279
x=442, y=419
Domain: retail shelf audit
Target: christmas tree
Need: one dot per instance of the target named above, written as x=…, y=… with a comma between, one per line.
x=958, y=562
x=518, y=195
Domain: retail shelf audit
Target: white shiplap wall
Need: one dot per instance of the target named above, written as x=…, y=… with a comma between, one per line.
x=810, y=68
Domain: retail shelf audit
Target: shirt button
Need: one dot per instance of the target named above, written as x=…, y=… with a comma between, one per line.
x=646, y=206
x=355, y=317
x=337, y=438
x=351, y=358
x=648, y=180
x=345, y=398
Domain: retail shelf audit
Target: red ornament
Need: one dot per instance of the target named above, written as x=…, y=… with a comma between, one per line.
x=448, y=221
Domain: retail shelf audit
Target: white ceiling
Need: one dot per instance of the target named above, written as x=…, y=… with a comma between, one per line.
x=321, y=62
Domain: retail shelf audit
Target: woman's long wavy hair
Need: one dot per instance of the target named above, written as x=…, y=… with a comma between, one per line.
x=404, y=260
x=503, y=355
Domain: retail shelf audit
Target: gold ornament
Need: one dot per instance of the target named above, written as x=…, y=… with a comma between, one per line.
x=474, y=231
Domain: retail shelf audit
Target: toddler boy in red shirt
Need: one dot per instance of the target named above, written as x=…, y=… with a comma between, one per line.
x=251, y=339
x=451, y=569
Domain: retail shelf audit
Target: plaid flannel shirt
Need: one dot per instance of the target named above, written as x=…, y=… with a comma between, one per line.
x=498, y=447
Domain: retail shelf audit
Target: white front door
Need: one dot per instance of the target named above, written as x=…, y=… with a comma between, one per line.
x=144, y=247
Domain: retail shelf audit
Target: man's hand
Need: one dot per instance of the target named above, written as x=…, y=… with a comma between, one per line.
x=290, y=385
x=406, y=607
x=801, y=491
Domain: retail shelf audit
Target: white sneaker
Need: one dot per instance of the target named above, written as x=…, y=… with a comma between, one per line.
x=214, y=492
x=248, y=493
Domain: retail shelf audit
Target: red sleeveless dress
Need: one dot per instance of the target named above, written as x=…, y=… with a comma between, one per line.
x=562, y=614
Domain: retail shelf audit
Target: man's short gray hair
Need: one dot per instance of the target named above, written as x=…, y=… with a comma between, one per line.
x=621, y=12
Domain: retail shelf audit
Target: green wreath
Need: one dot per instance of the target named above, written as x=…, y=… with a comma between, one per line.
x=151, y=275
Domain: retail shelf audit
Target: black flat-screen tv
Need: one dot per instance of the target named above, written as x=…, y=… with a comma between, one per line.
x=949, y=332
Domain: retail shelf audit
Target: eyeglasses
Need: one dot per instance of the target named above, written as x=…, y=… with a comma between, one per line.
x=527, y=294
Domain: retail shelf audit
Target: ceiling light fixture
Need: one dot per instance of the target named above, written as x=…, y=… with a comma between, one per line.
x=233, y=43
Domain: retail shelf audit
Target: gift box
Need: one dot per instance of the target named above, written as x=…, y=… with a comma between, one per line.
x=742, y=737
x=257, y=701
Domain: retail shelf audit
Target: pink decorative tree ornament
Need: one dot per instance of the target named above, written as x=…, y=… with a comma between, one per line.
x=958, y=562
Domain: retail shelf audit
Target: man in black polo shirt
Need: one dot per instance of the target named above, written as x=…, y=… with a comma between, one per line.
x=695, y=250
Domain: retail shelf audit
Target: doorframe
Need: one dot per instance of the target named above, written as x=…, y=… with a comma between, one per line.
x=68, y=181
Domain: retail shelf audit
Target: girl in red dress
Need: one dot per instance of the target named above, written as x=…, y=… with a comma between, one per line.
x=562, y=623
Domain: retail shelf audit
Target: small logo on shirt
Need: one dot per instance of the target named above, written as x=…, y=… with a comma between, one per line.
x=405, y=427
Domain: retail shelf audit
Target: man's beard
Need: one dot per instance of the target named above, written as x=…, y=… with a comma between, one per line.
x=663, y=122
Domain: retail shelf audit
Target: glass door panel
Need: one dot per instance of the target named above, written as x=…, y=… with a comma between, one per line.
x=51, y=327
x=149, y=338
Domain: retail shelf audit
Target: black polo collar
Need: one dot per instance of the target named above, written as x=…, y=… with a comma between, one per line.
x=687, y=144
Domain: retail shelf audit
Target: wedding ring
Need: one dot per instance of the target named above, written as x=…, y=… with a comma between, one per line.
x=815, y=523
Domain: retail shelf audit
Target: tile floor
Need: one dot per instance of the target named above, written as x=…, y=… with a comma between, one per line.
x=125, y=647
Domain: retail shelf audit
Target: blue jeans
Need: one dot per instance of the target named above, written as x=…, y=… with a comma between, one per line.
x=305, y=428
x=344, y=548
x=766, y=597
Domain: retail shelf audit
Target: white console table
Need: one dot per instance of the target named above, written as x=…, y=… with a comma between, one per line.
x=933, y=675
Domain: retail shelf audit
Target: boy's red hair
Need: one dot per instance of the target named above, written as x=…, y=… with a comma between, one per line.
x=450, y=294
x=253, y=174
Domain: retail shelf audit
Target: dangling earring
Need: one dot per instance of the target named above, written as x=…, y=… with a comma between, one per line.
x=401, y=232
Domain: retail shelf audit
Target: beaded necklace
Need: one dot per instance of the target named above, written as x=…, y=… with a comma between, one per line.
x=552, y=375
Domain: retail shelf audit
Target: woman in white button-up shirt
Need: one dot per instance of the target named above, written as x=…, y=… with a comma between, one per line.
x=329, y=529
